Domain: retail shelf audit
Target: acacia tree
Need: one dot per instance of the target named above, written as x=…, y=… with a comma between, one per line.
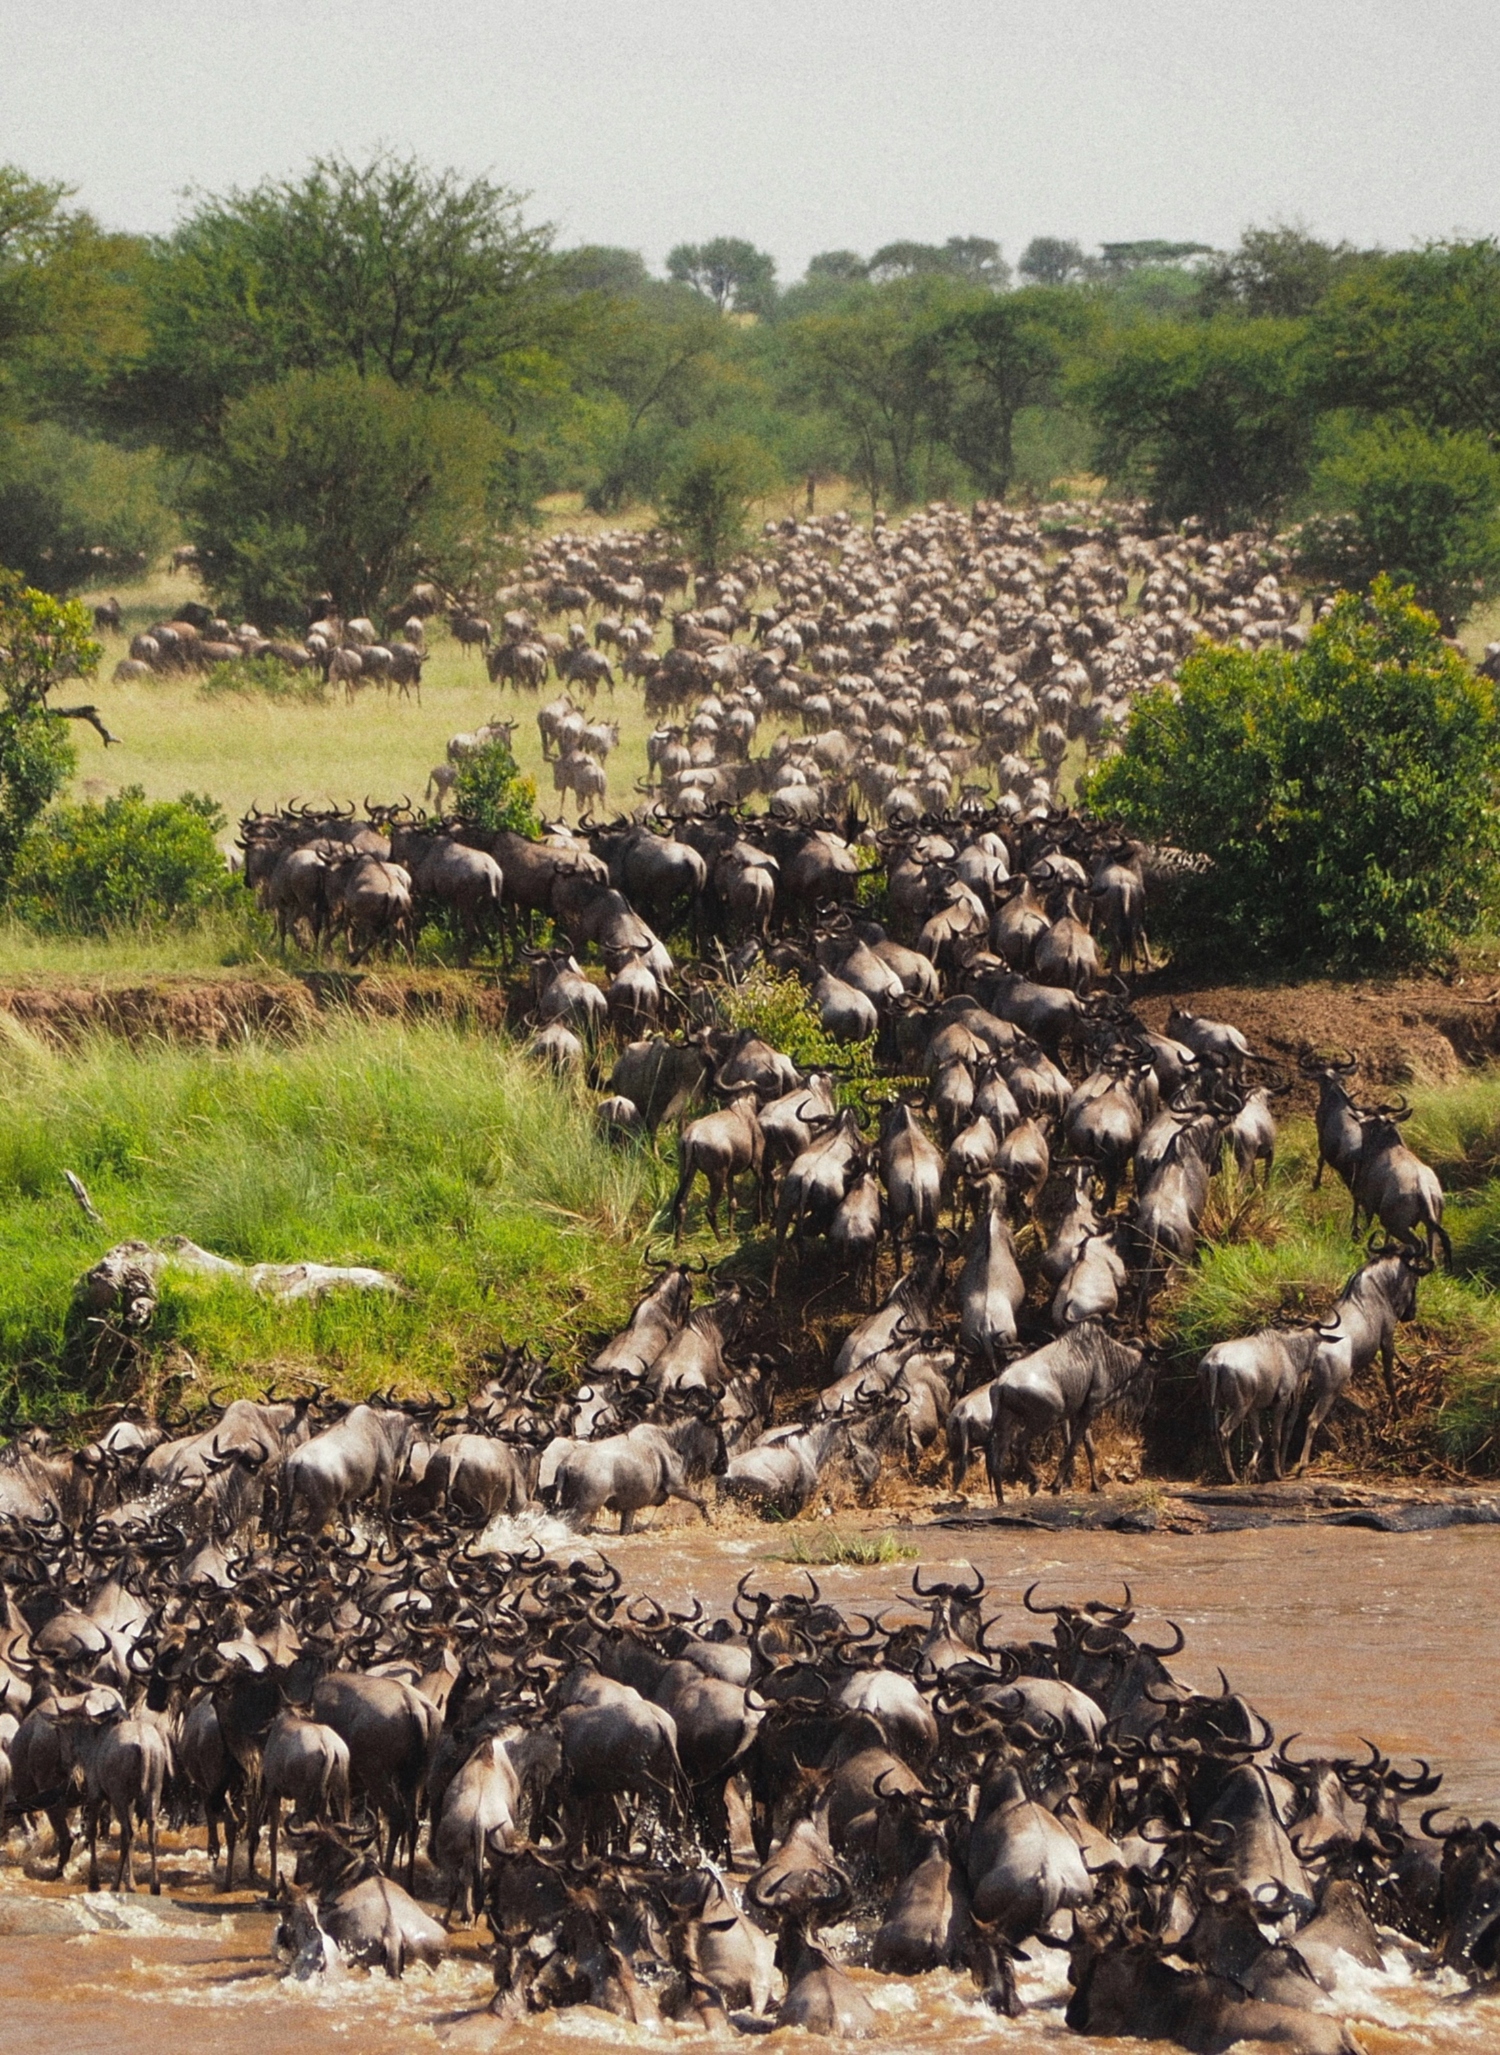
x=1415, y=333
x=1212, y=418
x=43, y=641
x=732, y=273
x=1345, y=794
x=877, y=366
x=332, y=482
x=389, y=269
x=1005, y=354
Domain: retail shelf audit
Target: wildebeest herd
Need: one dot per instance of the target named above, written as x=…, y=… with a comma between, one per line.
x=667, y=1814
x=660, y=1813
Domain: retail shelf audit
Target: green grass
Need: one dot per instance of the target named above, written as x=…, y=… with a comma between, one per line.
x=245, y=748
x=831, y=1546
x=1287, y=1253
x=437, y=1154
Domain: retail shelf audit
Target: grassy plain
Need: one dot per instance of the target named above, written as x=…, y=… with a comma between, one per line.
x=440, y=1155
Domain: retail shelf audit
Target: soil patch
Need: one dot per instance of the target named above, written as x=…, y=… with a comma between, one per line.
x=1404, y=1030
x=219, y=1012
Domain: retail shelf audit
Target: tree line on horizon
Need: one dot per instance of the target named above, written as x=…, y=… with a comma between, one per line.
x=370, y=372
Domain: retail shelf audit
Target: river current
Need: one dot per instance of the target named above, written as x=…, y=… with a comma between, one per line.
x=1333, y=1633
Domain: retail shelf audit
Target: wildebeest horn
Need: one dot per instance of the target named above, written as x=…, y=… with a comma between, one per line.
x=1176, y=1647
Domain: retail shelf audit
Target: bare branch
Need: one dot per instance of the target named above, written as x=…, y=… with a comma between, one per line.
x=89, y=714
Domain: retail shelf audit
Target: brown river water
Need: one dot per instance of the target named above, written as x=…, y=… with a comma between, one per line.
x=1333, y=1633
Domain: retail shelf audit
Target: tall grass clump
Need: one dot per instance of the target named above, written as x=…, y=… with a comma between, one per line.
x=432, y=1152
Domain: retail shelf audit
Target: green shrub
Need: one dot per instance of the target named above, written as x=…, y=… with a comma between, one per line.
x=133, y=861
x=491, y=792
x=777, y=1009
x=706, y=499
x=64, y=499
x=1423, y=507
x=1345, y=794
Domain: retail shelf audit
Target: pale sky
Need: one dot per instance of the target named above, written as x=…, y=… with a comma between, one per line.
x=803, y=124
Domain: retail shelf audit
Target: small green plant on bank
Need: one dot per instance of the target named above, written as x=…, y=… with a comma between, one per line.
x=774, y=1005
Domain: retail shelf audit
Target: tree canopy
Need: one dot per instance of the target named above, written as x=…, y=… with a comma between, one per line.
x=327, y=481
x=1345, y=793
x=731, y=272
x=389, y=269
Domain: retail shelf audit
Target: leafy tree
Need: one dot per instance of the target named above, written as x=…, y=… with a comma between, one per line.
x=43, y=641
x=332, y=482
x=74, y=512
x=1281, y=273
x=1006, y=353
x=1345, y=793
x=732, y=273
x=1050, y=260
x=1415, y=333
x=972, y=257
x=707, y=497
x=646, y=358
x=387, y=268
x=877, y=365
x=70, y=305
x=86, y=869
x=491, y=792
x=1212, y=418
x=844, y=267
x=1424, y=508
x=599, y=268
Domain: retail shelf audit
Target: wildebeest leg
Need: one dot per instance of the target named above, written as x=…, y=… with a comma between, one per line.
x=62, y=1834
x=91, y=1822
x=1318, y=1173
x=1317, y=1413
x=627, y=1520
x=693, y=1498
x=1388, y=1365
x=715, y=1193
x=125, y=1874
x=275, y=1825
x=1222, y=1433
x=1254, y=1450
x=1086, y=1430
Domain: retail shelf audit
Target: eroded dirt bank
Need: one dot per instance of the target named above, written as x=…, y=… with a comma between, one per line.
x=221, y=1010
x=1425, y=1030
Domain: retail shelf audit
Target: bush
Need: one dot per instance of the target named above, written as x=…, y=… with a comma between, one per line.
x=1423, y=507
x=775, y=1006
x=707, y=497
x=132, y=861
x=1345, y=794
x=332, y=482
x=491, y=792
x=75, y=512
x=266, y=677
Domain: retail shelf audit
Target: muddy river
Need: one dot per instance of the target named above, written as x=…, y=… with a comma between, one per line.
x=1333, y=1633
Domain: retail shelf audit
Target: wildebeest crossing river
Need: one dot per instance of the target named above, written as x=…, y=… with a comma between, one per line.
x=1334, y=1634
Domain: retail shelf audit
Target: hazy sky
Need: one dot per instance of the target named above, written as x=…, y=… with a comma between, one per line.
x=804, y=124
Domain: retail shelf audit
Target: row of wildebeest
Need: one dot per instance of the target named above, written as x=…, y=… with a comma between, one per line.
x=661, y=1813
x=1005, y=1082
